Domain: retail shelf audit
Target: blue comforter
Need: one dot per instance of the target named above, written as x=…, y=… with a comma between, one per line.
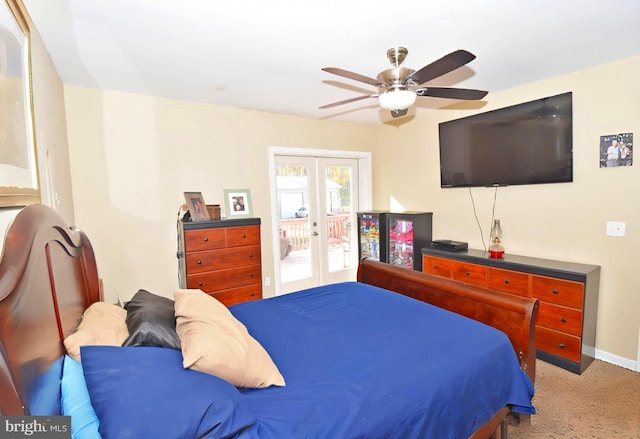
x=362, y=362
x=359, y=362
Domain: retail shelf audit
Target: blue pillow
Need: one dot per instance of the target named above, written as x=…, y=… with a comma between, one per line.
x=76, y=402
x=144, y=392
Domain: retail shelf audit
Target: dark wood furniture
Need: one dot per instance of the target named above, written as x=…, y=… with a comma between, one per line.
x=568, y=295
x=513, y=315
x=221, y=258
x=48, y=277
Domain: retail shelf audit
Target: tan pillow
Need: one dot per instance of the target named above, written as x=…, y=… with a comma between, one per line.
x=102, y=324
x=215, y=342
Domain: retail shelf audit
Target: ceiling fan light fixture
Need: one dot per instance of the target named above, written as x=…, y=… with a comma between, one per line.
x=397, y=99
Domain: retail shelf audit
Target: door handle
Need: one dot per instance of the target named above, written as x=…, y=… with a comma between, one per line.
x=314, y=234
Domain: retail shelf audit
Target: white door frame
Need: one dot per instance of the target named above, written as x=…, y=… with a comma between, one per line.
x=365, y=195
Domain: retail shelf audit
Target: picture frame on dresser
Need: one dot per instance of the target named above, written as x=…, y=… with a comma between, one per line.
x=196, y=206
x=237, y=203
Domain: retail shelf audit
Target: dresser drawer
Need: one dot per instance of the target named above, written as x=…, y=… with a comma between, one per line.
x=437, y=266
x=238, y=295
x=204, y=239
x=243, y=235
x=224, y=279
x=561, y=318
x=559, y=291
x=199, y=262
x=558, y=343
x=509, y=281
x=470, y=273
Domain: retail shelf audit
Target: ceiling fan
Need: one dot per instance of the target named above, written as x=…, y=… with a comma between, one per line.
x=398, y=87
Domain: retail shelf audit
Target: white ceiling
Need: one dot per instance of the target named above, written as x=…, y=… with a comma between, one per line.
x=267, y=54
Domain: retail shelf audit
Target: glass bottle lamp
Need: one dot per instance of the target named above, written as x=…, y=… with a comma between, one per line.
x=496, y=250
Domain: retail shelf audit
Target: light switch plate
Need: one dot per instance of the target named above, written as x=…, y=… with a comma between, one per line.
x=615, y=228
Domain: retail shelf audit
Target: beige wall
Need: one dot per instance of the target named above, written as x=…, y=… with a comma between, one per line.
x=132, y=156
x=555, y=221
x=50, y=134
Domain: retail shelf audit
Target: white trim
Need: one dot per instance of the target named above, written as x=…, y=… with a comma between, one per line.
x=638, y=359
x=365, y=197
x=617, y=360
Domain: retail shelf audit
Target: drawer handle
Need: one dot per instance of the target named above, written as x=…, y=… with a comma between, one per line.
x=506, y=281
x=244, y=235
x=562, y=345
x=250, y=255
x=250, y=274
x=200, y=283
x=554, y=291
x=253, y=294
x=199, y=262
x=435, y=267
x=206, y=239
x=466, y=273
x=563, y=320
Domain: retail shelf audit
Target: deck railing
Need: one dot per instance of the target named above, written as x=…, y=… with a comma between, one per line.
x=297, y=230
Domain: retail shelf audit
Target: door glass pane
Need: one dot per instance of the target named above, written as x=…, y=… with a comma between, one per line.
x=293, y=221
x=340, y=212
x=401, y=243
x=369, y=236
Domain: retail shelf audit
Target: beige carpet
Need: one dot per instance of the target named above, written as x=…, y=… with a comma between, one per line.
x=602, y=403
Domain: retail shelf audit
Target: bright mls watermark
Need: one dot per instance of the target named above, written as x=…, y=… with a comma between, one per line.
x=40, y=427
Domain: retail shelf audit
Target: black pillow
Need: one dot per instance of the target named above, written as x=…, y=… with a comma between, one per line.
x=151, y=321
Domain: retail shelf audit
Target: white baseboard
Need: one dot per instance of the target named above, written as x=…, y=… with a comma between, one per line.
x=617, y=360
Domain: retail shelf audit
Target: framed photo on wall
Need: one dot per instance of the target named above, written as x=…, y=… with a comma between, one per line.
x=616, y=150
x=18, y=157
x=197, y=207
x=237, y=203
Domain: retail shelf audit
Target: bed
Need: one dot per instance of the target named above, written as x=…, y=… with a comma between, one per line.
x=396, y=354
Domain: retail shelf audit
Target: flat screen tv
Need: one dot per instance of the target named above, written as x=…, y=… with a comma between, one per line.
x=528, y=143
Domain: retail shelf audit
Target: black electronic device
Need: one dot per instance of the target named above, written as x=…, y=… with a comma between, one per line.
x=447, y=244
x=528, y=143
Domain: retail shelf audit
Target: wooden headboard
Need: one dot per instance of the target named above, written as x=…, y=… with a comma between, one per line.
x=48, y=277
x=513, y=315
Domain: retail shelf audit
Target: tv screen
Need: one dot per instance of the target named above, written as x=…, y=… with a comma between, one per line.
x=528, y=143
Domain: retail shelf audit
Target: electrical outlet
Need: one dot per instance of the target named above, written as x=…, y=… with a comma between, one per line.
x=615, y=228
x=267, y=281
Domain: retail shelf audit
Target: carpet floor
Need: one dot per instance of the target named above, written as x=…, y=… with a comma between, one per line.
x=602, y=403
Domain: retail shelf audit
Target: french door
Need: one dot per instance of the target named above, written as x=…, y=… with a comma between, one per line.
x=317, y=200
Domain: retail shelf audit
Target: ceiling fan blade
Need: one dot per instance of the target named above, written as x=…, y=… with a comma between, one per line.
x=352, y=75
x=347, y=101
x=452, y=93
x=442, y=66
x=399, y=113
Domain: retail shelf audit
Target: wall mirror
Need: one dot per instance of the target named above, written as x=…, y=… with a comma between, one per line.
x=18, y=164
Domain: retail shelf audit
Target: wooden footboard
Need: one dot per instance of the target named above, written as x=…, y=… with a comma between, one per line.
x=513, y=315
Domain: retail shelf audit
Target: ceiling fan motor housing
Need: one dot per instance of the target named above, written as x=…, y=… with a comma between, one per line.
x=396, y=55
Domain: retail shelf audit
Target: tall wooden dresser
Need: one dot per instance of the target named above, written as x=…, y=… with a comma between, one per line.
x=568, y=294
x=221, y=258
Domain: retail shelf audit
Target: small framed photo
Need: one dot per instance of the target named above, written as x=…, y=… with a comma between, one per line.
x=196, y=206
x=616, y=150
x=237, y=203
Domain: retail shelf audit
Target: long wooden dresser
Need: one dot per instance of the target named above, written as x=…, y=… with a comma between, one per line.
x=568, y=295
x=222, y=258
